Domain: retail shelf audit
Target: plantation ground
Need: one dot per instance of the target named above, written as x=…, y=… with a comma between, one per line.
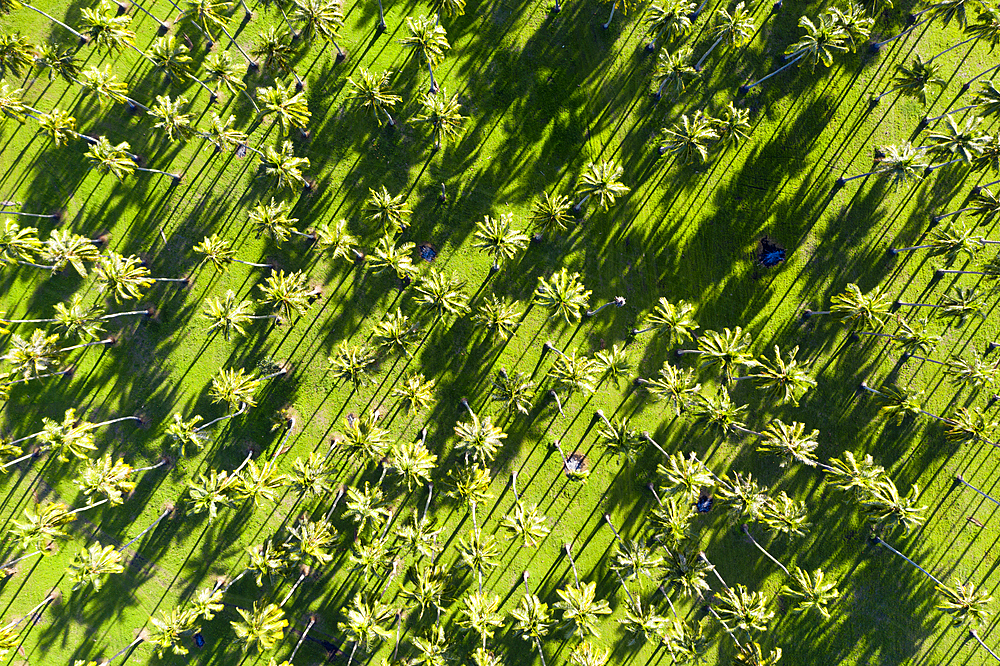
x=545, y=94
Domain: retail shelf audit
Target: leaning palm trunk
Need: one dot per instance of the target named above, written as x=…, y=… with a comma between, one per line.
x=967, y=84
x=614, y=6
x=302, y=638
x=746, y=530
x=961, y=479
x=876, y=46
x=138, y=536
x=701, y=61
x=945, y=271
x=4, y=211
x=975, y=634
x=917, y=566
x=82, y=38
x=748, y=87
x=950, y=48
x=8, y=565
x=922, y=411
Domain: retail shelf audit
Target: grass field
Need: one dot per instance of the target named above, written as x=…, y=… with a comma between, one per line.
x=545, y=94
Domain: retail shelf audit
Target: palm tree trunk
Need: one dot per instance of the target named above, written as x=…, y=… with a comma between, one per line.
x=88, y=506
x=150, y=467
x=14, y=623
x=162, y=173
x=138, y=536
x=250, y=263
x=8, y=565
x=897, y=250
x=637, y=331
x=697, y=66
x=10, y=463
x=163, y=25
x=43, y=376
x=745, y=430
x=336, y=500
x=302, y=638
x=106, y=341
x=427, y=504
x=746, y=88
x=82, y=38
x=33, y=265
x=918, y=305
x=294, y=587
x=935, y=167
x=382, y=27
x=434, y=85
x=113, y=421
x=876, y=100
x=20, y=214
x=975, y=634
x=591, y=313
x=950, y=48
x=125, y=314
x=645, y=435
x=555, y=396
x=26, y=321
x=569, y=554
x=920, y=568
x=513, y=485
x=961, y=479
x=878, y=45
x=243, y=408
x=945, y=271
x=652, y=45
x=625, y=587
x=614, y=6
x=746, y=530
x=961, y=108
x=353, y=650
x=126, y=648
x=232, y=40
x=938, y=218
x=579, y=206
x=965, y=86
x=274, y=374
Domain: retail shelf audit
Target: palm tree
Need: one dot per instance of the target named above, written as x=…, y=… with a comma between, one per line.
x=902, y=163
x=107, y=87
x=287, y=292
x=42, y=524
x=221, y=67
x=525, y=521
x=748, y=610
x=551, y=212
x=532, y=619
x=498, y=240
x=322, y=18
x=285, y=166
x=734, y=127
x=563, y=294
x=289, y=108
x=672, y=384
x=514, y=392
x=365, y=618
x=964, y=603
x=92, y=563
x=822, y=41
x=395, y=333
x=481, y=613
x=171, y=58
x=500, y=318
x=169, y=118
x=689, y=138
x=685, y=571
x=275, y=52
x=959, y=303
x=727, y=350
x=854, y=306
x=963, y=143
x=673, y=320
x=429, y=39
x=235, y=388
x=734, y=29
x=915, y=80
x=389, y=212
x=220, y=252
x=573, y=372
x=338, y=241
x=581, y=609
x=791, y=442
x=670, y=22
x=352, y=362
x=273, y=219
x=366, y=508
x=413, y=462
x=886, y=508
x=601, y=179
x=786, y=381
x=442, y=113
x=442, y=294
x=118, y=161
x=106, y=29
x=480, y=437
x=262, y=628
x=374, y=94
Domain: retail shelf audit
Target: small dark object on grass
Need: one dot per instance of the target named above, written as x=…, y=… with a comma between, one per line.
x=241, y=151
x=427, y=251
x=769, y=253
x=972, y=519
x=576, y=463
x=704, y=504
x=199, y=640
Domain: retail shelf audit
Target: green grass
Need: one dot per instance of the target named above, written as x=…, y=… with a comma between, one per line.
x=545, y=94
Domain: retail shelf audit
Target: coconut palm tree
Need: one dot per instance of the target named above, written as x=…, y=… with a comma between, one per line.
x=220, y=252
x=854, y=307
x=581, y=609
x=986, y=100
x=673, y=320
x=964, y=603
x=262, y=628
x=563, y=294
x=442, y=115
x=288, y=293
x=338, y=241
x=429, y=40
x=481, y=613
x=362, y=437
x=387, y=211
x=785, y=381
x=966, y=425
x=366, y=508
x=320, y=18
x=791, y=442
x=389, y=256
x=92, y=564
x=416, y=392
x=274, y=52
x=285, y=166
x=532, y=619
x=677, y=386
x=498, y=317
x=172, y=58
x=235, y=388
x=747, y=609
x=352, y=363
x=168, y=116
x=110, y=478
x=221, y=68
x=902, y=164
x=496, y=237
x=413, y=462
x=428, y=588
x=289, y=108
x=42, y=524
x=365, y=618
x=373, y=93
x=618, y=438
x=856, y=478
x=959, y=143
x=810, y=591
x=395, y=333
x=734, y=29
x=915, y=80
x=727, y=350
x=551, y=212
x=959, y=303
x=686, y=572
x=669, y=22
x=689, y=138
x=106, y=28
x=479, y=437
x=687, y=475
x=525, y=521
x=886, y=508
x=442, y=294
x=633, y=559
x=273, y=219
x=106, y=86
x=734, y=127
x=58, y=61
x=822, y=40
x=514, y=392
x=601, y=180
x=573, y=372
